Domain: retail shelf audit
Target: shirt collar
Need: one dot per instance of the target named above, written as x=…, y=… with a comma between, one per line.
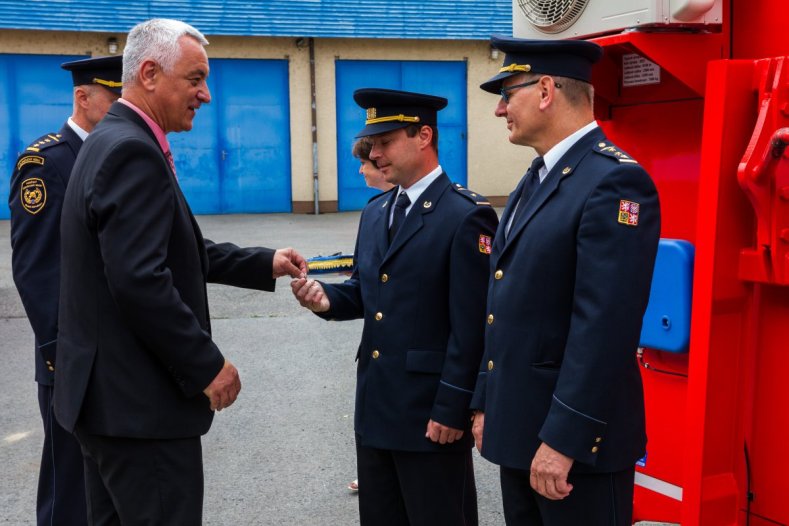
x=157, y=130
x=77, y=129
x=553, y=155
x=416, y=189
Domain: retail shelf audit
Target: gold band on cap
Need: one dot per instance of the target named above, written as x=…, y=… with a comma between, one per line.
x=390, y=118
x=108, y=83
x=516, y=67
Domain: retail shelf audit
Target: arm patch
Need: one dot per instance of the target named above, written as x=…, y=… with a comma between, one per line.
x=33, y=195
x=29, y=159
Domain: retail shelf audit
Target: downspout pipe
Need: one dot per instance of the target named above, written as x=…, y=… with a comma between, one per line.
x=314, y=118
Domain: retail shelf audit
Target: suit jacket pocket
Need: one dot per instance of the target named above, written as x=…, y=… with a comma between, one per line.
x=547, y=366
x=419, y=361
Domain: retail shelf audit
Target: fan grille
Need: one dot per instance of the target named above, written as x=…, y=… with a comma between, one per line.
x=552, y=16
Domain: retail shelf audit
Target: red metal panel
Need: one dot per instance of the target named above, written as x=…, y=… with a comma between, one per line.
x=759, y=28
x=666, y=139
x=768, y=434
x=724, y=225
x=735, y=392
x=661, y=127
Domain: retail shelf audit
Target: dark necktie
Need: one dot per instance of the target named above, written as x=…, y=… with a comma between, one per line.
x=399, y=214
x=530, y=184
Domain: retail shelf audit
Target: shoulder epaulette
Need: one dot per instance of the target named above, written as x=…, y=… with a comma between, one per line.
x=610, y=150
x=476, y=198
x=44, y=142
x=376, y=196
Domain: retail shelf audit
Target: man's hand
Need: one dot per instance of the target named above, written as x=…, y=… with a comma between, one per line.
x=223, y=390
x=441, y=433
x=309, y=293
x=477, y=427
x=288, y=262
x=549, y=470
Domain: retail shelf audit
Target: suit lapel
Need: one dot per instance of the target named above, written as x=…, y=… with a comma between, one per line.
x=198, y=235
x=543, y=192
x=563, y=169
x=509, y=209
x=121, y=110
x=414, y=221
x=380, y=222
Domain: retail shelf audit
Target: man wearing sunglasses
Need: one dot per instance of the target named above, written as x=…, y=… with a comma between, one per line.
x=559, y=402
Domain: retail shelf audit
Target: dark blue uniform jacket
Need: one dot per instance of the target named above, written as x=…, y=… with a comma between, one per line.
x=567, y=294
x=38, y=185
x=423, y=304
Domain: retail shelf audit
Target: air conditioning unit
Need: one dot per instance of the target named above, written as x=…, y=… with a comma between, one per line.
x=584, y=18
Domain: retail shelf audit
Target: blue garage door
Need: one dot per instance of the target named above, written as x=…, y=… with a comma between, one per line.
x=445, y=79
x=35, y=99
x=236, y=159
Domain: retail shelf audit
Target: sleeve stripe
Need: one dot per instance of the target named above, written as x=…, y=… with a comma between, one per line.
x=456, y=387
x=578, y=412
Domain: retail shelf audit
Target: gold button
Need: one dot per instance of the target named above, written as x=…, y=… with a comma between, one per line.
x=379, y=316
x=376, y=354
x=598, y=440
x=499, y=274
x=49, y=363
x=51, y=368
x=490, y=319
x=595, y=449
x=384, y=278
x=490, y=365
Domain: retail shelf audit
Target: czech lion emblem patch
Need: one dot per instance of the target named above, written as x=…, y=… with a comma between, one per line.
x=628, y=212
x=485, y=244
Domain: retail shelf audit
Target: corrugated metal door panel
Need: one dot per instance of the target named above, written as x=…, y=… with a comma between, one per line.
x=236, y=159
x=196, y=155
x=352, y=192
x=256, y=136
x=445, y=79
x=35, y=99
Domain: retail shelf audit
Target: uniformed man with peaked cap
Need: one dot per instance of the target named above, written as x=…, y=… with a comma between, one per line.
x=419, y=281
x=38, y=184
x=559, y=402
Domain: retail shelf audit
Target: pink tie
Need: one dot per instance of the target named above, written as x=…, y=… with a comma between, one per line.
x=169, y=155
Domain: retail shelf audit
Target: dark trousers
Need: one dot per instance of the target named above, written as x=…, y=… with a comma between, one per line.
x=142, y=482
x=403, y=488
x=599, y=499
x=61, y=480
